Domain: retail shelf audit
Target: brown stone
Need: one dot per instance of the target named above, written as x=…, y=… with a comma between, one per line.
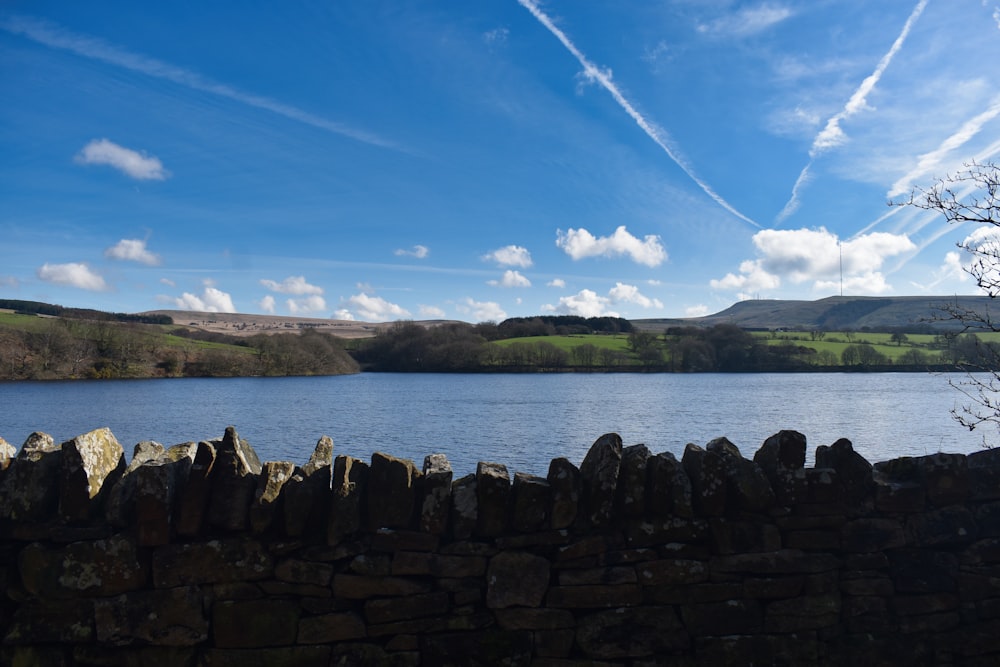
x=898, y=487
x=254, y=623
x=784, y=561
x=29, y=489
x=564, y=484
x=707, y=472
x=436, y=501
x=156, y=486
x=350, y=489
x=88, y=462
x=516, y=579
x=729, y=617
x=234, y=480
x=169, y=617
x=731, y=537
x=672, y=571
x=492, y=499
x=267, y=504
x=599, y=479
x=330, y=628
x=631, y=633
x=288, y=656
x=119, y=505
x=632, y=481
x=464, y=507
x=51, y=622
x=984, y=474
x=522, y=618
x=307, y=493
x=216, y=561
x=192, y=505
x=490, y=647
x=532, y=498
x=749, y=490
x=950, y=525
x=669, y=487
x=594, y=597
x=95, y=568
x=391, y=494
x=782, y=458
x=808, y=612
x=598, y=575
x=872, y=535
x=854, y=472
x=298, y=571
x=389, y=610
x=360, y=587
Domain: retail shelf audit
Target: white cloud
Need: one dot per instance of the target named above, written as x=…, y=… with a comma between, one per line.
x=497, y=36
x=802, y=255
x=292, y=285
x=133, y=250
x=72, y=274
x=747, y=21
x=307, y=305
x=482, y=311
x=622, y=293
x=212, y=300
x=871, y=282
x=579, y=243
x=375, y=308
x=556, y=282
x=267, y=304
x=418, y=251
x=696, y=311
x=510, y=278
x=131, y=163
x=8, y=281
x=430, y=312
x=511, y=255
x=168, y=282
x=585, y=303
x=343, y=314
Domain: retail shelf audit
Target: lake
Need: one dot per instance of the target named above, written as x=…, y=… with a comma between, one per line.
x=520, y=420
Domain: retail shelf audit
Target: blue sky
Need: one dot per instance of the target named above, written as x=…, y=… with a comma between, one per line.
x=417, y=160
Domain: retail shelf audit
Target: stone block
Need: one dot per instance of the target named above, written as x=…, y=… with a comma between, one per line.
x=89, y=463
x=984, y=474
x=234, y=481
x=267, y=506
x=51, y=622
x=391, y=493
x=952, y=525
x=493, y=499
x=729, y=617
x=254, y=623
x=707, y=472
x=598, y=575
x=464, y=514
x=522, y=618
x=632, y=481
x=286, y=656
x=96, y=568
x=564, y=484
x=631, y=633
x=854, y=472
x=29, y=489
x=672, y=571
x=898, y=486
x=389, y=610
x=531, y=501
x=169, y=617
x=119, y=504
x=923, y=571
x=730, y=537
x=192, y=506
x=360, y=587
x=807, y=612
x=781, y=458
x=347, y=500
x=236, y=559
x=489, y=647
x=872, y=535
x=593, y=597
x=330, y=628
x=516, y=579
x=599, y=479
x=434, y=507
x=749, y=489
x=298, y=571
x=307, y=493
x=669, y=491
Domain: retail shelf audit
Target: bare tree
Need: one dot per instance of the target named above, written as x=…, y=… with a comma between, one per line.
x=972, y=194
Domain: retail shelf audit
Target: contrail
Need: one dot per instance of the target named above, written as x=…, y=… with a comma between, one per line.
x=659, y=136
x=831, y=135
x=96, y=49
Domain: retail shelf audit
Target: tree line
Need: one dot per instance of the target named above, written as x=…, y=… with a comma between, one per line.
x=59, y=348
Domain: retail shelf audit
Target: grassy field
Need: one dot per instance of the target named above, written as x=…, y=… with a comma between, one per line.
x=617, y=342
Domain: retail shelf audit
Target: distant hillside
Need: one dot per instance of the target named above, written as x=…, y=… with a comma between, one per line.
x=835, y=313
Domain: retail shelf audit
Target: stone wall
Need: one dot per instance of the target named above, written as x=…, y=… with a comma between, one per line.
x=201, y=555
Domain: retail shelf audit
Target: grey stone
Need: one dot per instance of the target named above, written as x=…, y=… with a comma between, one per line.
x=493, y=498
x=29, y=489
x=599, y=477
x=234, y=480
x=391, y=492
x=564, y=484
x=436, y=501
x=516, y=579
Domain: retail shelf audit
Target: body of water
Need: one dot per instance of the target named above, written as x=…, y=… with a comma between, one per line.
x=522, y=420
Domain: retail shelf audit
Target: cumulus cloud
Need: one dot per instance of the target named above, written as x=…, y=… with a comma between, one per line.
x=696, y=311
x=585, y=303
x=343, y=314
x=267, y=304
x=802, y=255
x=375, y=309
x=510, y=278
x=622, y=293
x=132, y=250
x=511, y=255
x=418, y=251
x=588, y=303
x=132, y=163
x=430, y=312
x=292, y=285
x=482, y=311
x=747, y=21
x=73, y=275
x=556, y=282
x=580, y=243
x=211, y=300
x=306, y=305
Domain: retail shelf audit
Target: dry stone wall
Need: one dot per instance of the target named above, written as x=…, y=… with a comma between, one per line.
x=199, y=554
